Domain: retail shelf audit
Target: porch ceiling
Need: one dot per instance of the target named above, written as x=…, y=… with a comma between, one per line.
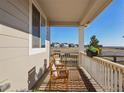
x=72, y=12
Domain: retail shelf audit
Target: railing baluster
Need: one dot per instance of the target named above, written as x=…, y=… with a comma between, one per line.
x=102, y=74
x=120, y=80
x=97, y=71
x=115, y=80
x=105, y=78
x=108, y=78
x=111, y=79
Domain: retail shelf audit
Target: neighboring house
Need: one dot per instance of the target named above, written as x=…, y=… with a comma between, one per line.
x=62, y=45
x=52, y=45
x=65, y=45
x=76, y=45
x=25, y=35
x=56, y=45
x=71, y=45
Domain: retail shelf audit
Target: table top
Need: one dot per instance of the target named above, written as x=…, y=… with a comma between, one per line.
x=111, y=55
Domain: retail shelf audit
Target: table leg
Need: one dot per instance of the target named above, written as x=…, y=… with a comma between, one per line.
x=114, y=59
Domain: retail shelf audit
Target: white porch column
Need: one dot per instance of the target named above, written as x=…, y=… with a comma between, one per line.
x=81, y=43
x=48, y=42
x=81, y=38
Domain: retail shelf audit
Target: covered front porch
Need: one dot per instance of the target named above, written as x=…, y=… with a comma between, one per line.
x=26, y=63
x=89, y=74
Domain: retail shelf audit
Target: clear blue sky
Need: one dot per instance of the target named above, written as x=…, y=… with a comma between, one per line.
x=108, y=27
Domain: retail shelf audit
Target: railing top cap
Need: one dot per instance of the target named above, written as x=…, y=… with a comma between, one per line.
x=106, y=61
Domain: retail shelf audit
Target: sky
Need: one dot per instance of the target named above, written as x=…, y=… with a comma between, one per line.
x=108, y=28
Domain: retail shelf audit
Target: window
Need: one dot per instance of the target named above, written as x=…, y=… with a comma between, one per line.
x=35, y=27
x=43, y=32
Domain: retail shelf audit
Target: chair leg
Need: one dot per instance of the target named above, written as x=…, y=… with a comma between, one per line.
x=66, y=84
x=50, y=84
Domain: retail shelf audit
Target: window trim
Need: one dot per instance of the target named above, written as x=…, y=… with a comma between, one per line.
x=45, y=23
x=36, y=23
x=34, y=51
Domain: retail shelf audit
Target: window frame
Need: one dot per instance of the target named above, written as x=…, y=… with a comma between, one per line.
x=45, y=26
x=36, y=40
x=33, y=51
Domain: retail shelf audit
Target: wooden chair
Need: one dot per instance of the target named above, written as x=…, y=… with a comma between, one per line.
x=58, y=63
x=56, y=73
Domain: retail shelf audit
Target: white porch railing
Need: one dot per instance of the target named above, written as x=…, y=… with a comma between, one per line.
x=69, y=59
x=109, y=75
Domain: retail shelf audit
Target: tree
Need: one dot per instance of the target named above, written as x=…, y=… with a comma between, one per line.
x=94, y=47
x=94, y=42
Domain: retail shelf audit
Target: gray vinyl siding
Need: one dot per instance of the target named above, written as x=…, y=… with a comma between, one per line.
x=14, y=13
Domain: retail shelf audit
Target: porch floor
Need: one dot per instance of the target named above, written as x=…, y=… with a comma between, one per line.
x=78, y=82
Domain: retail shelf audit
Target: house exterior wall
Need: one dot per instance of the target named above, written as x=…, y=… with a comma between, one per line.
x=15, y=59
